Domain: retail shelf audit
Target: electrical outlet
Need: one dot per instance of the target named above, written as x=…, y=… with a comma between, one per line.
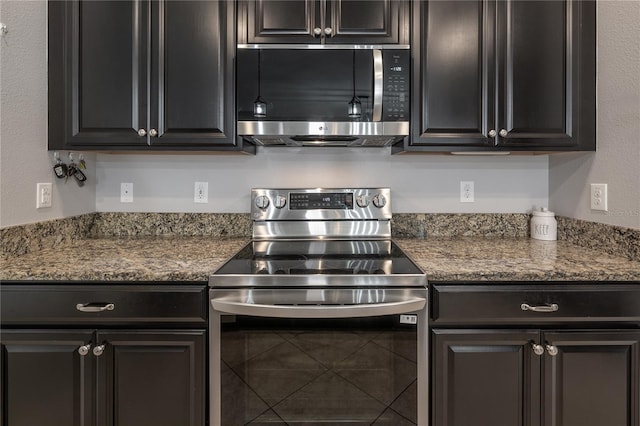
x=599, y=197
x=466, y=191
x=126, y=192
x=201, y=192
x=43, y=195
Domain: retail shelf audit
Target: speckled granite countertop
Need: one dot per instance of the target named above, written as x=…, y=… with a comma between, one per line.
x=515, y=259
x=157, y=258
x=195, y=258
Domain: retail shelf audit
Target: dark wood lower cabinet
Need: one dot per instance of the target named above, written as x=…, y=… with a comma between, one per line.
x=137, y=378
x=494, y=377
x=593, y=380
x=45, y=381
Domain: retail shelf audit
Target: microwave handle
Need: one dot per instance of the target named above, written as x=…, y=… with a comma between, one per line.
x=318, y=311
x=378, y=84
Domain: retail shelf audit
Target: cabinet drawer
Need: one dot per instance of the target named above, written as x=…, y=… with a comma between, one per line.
x=503, y=304
x=121, y=305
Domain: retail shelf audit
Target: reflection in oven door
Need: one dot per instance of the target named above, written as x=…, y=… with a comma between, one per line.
x=337, y=371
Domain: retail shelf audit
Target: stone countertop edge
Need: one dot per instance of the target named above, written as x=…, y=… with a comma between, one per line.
x=163, y=259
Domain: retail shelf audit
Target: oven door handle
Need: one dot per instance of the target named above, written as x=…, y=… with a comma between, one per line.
x=318, y=311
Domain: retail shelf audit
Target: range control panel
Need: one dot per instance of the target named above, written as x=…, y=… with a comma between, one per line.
x=321, y=204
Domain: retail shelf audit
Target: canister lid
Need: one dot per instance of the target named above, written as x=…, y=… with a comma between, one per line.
x=543, y=212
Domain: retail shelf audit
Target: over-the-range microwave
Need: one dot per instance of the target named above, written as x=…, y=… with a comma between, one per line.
x=356, y=96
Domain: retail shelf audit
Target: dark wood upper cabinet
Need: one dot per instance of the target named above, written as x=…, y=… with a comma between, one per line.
x=324, y=21
x=503, y=76
x=140, y=74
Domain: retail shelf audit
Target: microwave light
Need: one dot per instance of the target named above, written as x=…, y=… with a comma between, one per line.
x=355, y=108
x=259, y=108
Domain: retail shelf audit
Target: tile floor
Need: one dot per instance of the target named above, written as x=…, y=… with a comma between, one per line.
x=318, y=377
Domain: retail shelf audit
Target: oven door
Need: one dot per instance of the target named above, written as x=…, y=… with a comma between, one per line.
x=317, y=356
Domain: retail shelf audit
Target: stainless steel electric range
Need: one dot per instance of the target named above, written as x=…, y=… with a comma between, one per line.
x=321, y=318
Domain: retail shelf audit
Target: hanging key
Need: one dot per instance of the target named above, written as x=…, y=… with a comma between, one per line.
x=60, y=170
x=79, y=176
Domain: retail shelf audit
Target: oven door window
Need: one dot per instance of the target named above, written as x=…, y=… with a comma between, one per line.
x=338, y=371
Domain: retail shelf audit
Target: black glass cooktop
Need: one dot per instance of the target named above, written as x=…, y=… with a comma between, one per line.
x=357, y=257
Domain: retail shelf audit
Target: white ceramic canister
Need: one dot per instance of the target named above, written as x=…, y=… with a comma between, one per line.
x=544, y=225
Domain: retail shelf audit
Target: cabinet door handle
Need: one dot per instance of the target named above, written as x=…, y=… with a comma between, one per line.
x=84, y=349
x=142, y=132
x=492, y=133
x=328, y=32
x=547, y=308
x=503, y=133
x=153, y=133
x=552, y=350
x=537, y=349
x=91, y=307
x=317, y=32
x=98, y=350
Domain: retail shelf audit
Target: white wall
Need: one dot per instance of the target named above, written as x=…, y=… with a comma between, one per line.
x=617, y=160
x=24, y=160
x=420, y=183
x=425, y=184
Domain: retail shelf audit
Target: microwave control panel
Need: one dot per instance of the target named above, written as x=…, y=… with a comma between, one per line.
x=395, y=100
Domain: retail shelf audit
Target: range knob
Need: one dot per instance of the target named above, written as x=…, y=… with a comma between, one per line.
x=379, y=201
x=280, y=201
x=362, y=201
x=262, y=202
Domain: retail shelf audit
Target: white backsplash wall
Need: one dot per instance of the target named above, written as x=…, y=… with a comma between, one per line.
x=419, y=183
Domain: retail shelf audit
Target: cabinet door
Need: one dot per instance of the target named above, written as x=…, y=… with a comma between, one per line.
x=192, y=73
x=97, y=73
x=45, y=381
x=485, y=378
x=366, y=21
x=593, y=380
x=280, y=21
x=151, y=378
x=454, y=73
x=539, y=71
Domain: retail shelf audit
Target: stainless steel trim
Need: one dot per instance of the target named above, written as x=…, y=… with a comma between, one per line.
x=322, y=247
x=378, y=85
x=320, y=311
x=318, y=280
x=487, y=153
x=326, y=46
x=547, y=308
x=321, y=229
x=91, y=307
x=355, y=221
x=324, y=128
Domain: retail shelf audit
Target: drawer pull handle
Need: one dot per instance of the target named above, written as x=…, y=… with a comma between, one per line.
x=90, y=307
x=547, y=308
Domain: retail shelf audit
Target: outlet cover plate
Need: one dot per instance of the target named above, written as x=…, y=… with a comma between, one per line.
x=201, y=192
x=599, y=197
x=467, y=191
x=126, y=192
x=43, y=195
